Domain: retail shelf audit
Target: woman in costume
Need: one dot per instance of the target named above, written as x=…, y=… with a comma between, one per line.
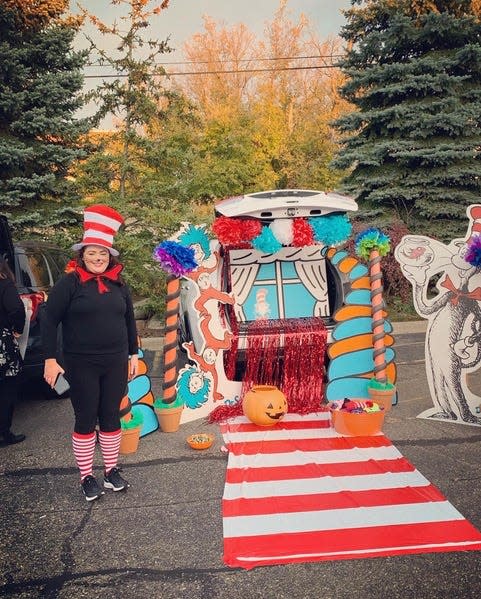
x=100, y=348
x=12, y=321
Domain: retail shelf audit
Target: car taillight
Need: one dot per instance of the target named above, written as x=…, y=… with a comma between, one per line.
x=36, y=299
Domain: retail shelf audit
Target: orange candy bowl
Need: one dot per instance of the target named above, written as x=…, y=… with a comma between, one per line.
x=357, y=425
x=200, y=440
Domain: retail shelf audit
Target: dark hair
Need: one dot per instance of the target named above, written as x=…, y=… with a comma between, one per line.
x=5, y=270
x=113, y=260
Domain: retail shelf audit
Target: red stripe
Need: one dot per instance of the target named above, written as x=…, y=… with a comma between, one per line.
x=95, y=241
x=328, y=501
x=386, y=539
x=90, y=225
x=322, y=444
x=110, y=433
x=82, y=436
x=249, y=427
x=249, y=475
x=238, y=563
x=104, y=211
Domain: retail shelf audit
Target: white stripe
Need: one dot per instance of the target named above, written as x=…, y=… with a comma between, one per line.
x=280, y=434
x=323, y=520
x=299, y=458
x=354, y=552
x=324, y=484
x=98, y=235
x=93, y=217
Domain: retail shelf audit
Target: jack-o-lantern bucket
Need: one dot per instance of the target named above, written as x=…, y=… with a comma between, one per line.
x=264, y=405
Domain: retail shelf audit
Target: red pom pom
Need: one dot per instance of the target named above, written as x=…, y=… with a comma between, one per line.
x=228, y=230
x=303, y=233
x=251, y=229
x=70, y=266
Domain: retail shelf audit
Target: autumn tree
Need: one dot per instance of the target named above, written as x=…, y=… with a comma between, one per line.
x=137, y=162
x=134, y=97
x=413, y=144
x=267, y=105
x=40, y=93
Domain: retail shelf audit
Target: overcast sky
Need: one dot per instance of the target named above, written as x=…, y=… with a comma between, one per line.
x=184, y=18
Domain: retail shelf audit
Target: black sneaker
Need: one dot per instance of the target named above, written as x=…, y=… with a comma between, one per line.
x=114, y=481
x=91, y=488
x=10, y=438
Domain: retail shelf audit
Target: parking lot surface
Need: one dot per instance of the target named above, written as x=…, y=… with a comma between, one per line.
x=163, y=538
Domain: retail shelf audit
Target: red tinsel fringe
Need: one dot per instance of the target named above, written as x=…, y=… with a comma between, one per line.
x=287, y=353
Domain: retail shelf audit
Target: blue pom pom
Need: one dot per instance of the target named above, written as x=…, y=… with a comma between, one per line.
x=331, y=230
x=266, y=242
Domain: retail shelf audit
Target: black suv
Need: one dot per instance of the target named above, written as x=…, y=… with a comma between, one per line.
x=36, y=266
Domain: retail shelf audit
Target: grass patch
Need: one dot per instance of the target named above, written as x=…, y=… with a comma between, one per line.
x=401, y=311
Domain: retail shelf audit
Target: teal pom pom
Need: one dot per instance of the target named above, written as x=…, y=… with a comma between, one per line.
x=266, y=242
x=331, y=230
x=372, y=239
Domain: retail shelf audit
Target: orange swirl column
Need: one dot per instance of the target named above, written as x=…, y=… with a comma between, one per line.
x=171, y=339
x=377, y=317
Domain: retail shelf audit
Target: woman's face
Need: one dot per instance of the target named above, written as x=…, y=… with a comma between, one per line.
x=96, y=259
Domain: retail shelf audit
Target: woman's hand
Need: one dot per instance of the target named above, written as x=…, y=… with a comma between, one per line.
x=51, y=371
x=133, y=366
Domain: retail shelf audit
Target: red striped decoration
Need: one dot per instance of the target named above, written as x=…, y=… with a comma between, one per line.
x=300, y=492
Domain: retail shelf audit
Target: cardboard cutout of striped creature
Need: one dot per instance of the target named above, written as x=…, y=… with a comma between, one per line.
x=453, y=335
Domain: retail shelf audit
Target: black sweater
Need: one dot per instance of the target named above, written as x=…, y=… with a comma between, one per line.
x=12, y=310
x=92, y=322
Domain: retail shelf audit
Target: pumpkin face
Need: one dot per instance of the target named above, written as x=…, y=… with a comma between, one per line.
x=264, y=405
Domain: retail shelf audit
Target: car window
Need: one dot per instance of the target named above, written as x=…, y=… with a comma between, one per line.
x=34, y=270
x=57, y=261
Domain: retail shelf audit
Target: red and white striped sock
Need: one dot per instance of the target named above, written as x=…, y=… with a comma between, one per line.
x=110, y=445
x=84, y=449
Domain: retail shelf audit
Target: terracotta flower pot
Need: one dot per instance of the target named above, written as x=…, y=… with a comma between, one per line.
x=169, y=418
x=129, y=441
x=383, y=397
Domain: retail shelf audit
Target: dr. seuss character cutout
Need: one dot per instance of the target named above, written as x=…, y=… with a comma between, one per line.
x=452, y=345
x=214, y=335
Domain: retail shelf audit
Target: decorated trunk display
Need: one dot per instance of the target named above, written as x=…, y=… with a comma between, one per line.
x=267, y=297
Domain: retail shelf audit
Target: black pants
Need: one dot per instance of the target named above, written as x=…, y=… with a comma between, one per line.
x=8, y=398
x=97, y=385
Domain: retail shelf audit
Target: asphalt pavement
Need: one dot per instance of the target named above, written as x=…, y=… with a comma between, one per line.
x=163, y=538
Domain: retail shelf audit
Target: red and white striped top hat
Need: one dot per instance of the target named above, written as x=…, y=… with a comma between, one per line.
x=474, y=213
x=101, y=223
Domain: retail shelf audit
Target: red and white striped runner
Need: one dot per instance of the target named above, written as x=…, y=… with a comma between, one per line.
x=301, y=492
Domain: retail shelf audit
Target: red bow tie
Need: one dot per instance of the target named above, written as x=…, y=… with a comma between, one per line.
x=111, y=275
x=449, y=285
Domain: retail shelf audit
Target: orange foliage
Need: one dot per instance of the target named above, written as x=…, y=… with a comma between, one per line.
x=287, y=81
x=139, y=12
x=36, y=14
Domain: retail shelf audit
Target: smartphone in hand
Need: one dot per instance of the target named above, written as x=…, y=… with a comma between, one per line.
x=61, y=385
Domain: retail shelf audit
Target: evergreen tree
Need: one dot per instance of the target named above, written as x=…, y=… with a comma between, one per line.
x=136, y=96
x=40, y=81
x=414, y=144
